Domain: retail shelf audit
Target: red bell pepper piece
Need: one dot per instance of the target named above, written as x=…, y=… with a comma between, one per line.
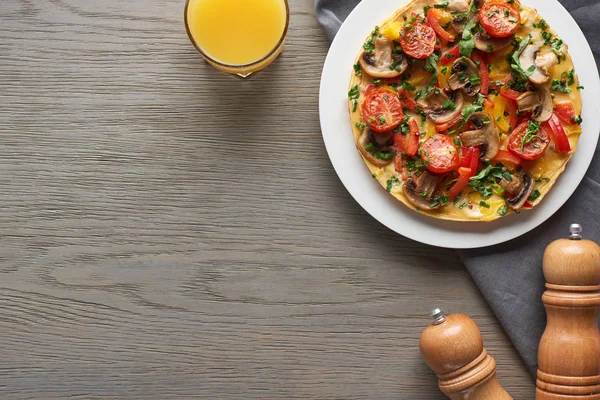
x=433, y=17
x=464, y=174
x=509, y=93
x=445, y=126
x=408, y=143
x=450, y=55
x=504, y=157
x=407, y=101
x=558, y=135
x=488, y=103
x=474, y=162
x=484, y=74
x=566, y=112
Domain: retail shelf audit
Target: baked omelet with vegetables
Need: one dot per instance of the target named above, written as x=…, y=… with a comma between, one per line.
x=465, y=110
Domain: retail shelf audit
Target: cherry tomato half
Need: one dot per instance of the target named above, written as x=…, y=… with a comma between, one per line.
x=382, y=111
x=439, y=154
x=499, y=19
x=528, y=148
x=418, y=41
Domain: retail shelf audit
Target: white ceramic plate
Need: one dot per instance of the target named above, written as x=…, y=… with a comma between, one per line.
x=339, y=140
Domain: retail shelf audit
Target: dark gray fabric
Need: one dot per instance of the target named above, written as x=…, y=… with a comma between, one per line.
x=510, y=275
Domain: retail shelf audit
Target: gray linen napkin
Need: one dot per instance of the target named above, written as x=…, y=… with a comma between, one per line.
x=510, y=275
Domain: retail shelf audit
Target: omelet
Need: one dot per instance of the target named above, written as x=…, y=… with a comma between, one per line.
x=465, y=110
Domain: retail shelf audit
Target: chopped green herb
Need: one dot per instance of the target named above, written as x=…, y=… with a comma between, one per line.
x=444, y=70
x=357, y=69
x=542, y=24
x=376, y=81
x=577, y=120
x=490, y=48
x=484, y=204
x=369, y=45
x=530, y=134
x=405, y=85
x=442, y=201
x=360, y=126
x=570, y=75
x=442, y=5
x=534, y=195
x=463, y=205
x=449, y=105
x=381, y=119
x=475, y=80
x=374, y=176
x=503, y=211
x=512, y=19
x=457, y=141
x=499, y=117
x=580, y=87
x=560, y=86
x=391, y=182
x=353, y=95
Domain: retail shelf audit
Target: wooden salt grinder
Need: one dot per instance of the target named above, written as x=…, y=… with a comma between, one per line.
x=569, y=352
x=452, y=347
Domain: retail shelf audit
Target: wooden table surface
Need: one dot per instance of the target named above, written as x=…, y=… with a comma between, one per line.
x=169, y=231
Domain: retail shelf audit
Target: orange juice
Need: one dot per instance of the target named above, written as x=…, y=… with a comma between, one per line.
x=237, y=32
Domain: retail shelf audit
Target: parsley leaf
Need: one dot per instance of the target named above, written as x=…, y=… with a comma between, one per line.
x=516, y=64
x=467, y=42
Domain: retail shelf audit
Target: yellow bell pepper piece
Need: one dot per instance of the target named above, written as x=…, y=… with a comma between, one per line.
x=502, y=122
x=392, y=31
x=418, y=77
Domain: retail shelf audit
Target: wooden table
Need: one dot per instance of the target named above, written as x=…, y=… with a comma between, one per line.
x=169, y=231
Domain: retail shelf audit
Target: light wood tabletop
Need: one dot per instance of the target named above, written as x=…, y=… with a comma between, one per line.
x=169, y=231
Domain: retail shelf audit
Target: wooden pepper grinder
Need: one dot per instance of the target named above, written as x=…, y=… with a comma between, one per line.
x=569, y=352
x=452, y=347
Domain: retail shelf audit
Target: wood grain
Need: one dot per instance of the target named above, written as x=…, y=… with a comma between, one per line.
x=168, y=231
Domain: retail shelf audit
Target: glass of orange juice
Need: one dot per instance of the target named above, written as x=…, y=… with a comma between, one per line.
x=238, y=36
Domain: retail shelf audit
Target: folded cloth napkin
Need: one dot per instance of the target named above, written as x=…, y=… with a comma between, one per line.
x=510, y=275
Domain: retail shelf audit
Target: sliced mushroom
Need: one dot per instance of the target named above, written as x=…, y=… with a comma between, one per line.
x=435, y=106
x=546, y=61
x=538, y=101
x=462, y=70
x=529, y=59
x=422, y=191
x=381, y=143
x=459, y=6
x=487, y=43
x=486, y=135
x=458, y=22
x=383, y=62
x=521, y=188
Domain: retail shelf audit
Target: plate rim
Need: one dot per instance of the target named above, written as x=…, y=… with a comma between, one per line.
x=355, y=28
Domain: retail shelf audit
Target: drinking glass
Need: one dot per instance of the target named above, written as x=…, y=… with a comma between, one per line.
x=238, y=36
